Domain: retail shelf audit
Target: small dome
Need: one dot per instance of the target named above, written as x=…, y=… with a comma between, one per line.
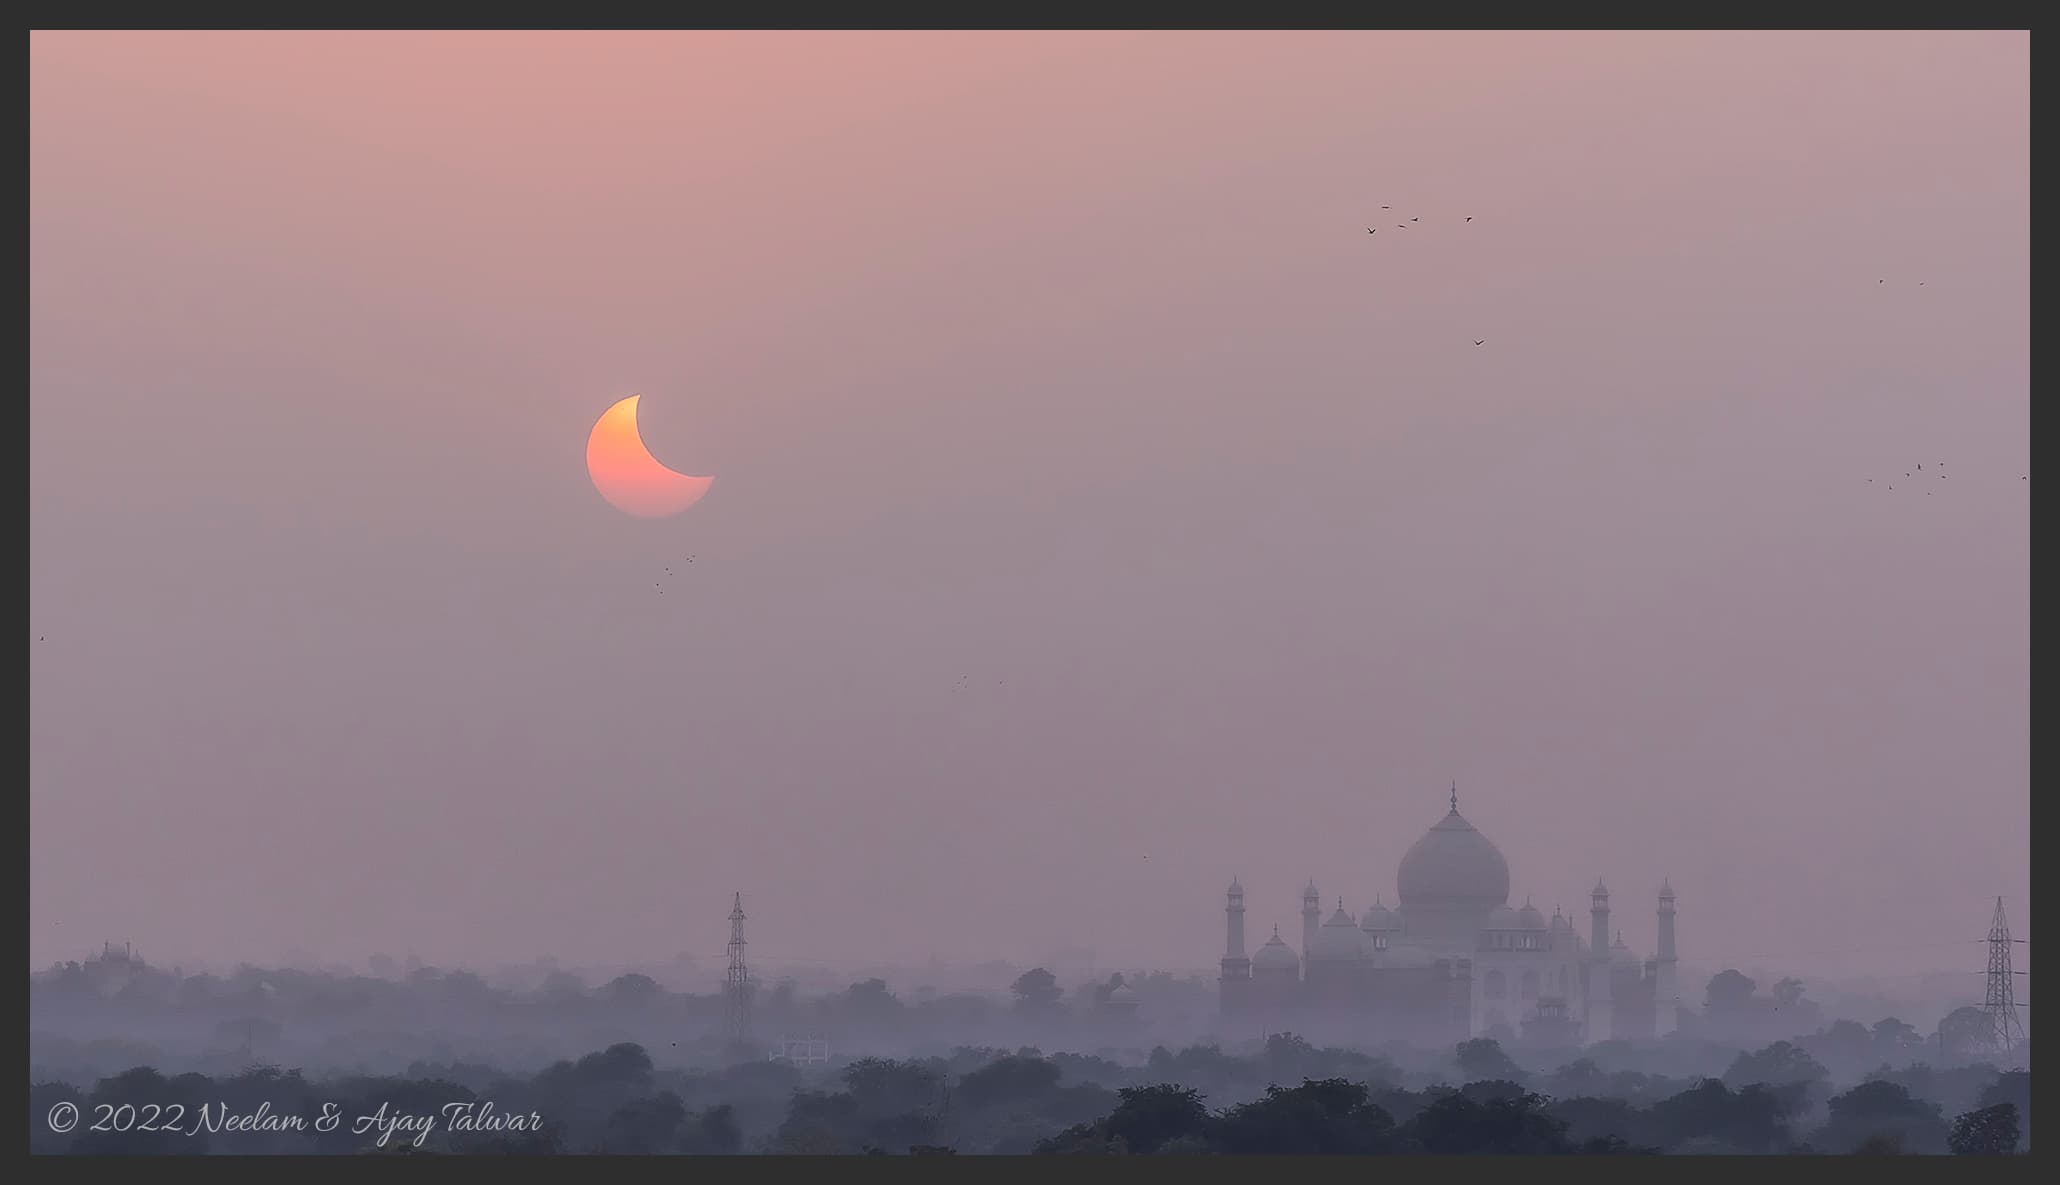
x=1123, y=993
x=1621, y=954
x=1560, y=921
x=1378, y=917
x=1274, y=955
x=1529, y=918
x=1501, y=918
x=1339, y=938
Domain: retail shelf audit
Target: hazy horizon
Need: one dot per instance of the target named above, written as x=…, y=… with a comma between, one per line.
x=1100, y=512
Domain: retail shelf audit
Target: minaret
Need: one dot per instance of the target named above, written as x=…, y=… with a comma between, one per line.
x=1234, y=988
x=1666, y=988
x=1601, y=1009
x=1235, y=964
x=1312, y=917
x=1598, y=918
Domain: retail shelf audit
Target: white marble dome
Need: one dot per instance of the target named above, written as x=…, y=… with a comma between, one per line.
x=1454, y=865
x=1379, y=917
x=1339, y=938
x=1275, y=955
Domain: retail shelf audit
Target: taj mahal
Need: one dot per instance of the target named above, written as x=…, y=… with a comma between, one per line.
x=1451, y=960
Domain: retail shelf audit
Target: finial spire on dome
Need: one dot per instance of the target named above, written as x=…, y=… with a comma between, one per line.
x=1455, y=796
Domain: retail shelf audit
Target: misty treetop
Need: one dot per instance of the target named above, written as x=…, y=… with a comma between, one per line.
x=1196, y=1100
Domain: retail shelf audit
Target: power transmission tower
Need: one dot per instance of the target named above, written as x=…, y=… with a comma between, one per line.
x=2006, y=1031
x=736, y=991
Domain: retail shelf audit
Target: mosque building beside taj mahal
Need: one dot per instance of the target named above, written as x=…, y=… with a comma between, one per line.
x=1451, y=960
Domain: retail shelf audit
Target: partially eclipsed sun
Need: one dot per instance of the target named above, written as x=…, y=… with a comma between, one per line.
x=626, y=473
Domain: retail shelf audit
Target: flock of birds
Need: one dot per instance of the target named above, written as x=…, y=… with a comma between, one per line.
x=1405, y=226
x=1938, y=471
x=660, y=585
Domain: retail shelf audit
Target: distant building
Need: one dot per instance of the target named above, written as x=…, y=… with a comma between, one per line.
x=1118, y=1003
x=802, y=1051
x=113, y=969
x=1452, y=961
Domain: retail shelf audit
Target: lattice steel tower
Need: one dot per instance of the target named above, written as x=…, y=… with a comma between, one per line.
x=736, y=991
x=2006, y=1031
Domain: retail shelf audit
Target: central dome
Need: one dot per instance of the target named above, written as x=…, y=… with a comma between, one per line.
x=1454, y=865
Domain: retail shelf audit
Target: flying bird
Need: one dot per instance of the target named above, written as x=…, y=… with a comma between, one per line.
x=1482, y=342
x=1369, y=230
x=1387, y=207
x=1469, y=218
x=1416, y=220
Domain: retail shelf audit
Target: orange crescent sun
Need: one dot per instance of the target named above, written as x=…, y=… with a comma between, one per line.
x=626, y=473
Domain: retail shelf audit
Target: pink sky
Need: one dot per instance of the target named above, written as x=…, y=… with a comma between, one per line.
x=1091, y=487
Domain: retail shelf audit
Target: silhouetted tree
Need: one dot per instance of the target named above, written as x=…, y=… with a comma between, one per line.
x=712, y=1132
x=1881, y=1110
x=1845, y=1044
x=1482, y=1058
x=647, y=1126
x=1589, y=1120
x=1781, y=1064
x=1894, y=1042
x=1327, y=1117
x=1753, y=1119
x=1456, y=1124
x=1145, y=1118
x=1007, y=1079
x=819, y=1124
x=632, y=990
x=1991, y=1131
x=870, y=1002
x=1036, y=990
x=1729, y=994
x=2014, y=1088
x=1578, y=1077
x=1964, y=1031
x=884, y=1087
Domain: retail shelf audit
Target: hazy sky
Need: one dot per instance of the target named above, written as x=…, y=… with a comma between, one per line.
x=1100, y=511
